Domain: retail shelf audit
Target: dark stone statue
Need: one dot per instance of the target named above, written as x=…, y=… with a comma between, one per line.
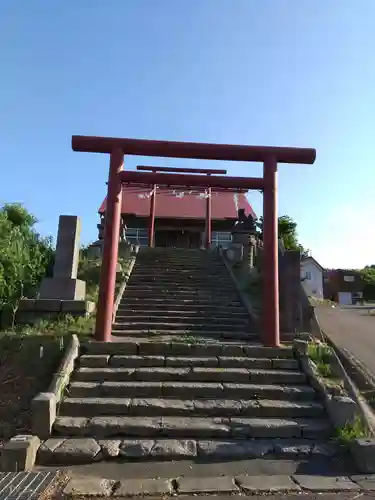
x=244, y=222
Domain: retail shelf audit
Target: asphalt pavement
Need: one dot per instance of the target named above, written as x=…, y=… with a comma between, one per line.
x=352, y=328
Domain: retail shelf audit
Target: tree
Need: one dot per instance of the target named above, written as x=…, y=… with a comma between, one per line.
x=368, y=277
x=25, y=257
x=287, y=229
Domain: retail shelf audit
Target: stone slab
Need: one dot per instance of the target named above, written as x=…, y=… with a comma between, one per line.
x=199, y=427
x=265, y=428
x=174, y=448
x=89, y=486
x=193, y=485
x=92, y=361
x=160, y=406
x=26, y=305
x=110, y=447
x=62, y=289
x=325, y=483
x=136, y=448
x=240, y=449
x=138, y=487
x=19, y=454
x=136, y=361
x=94, y=406
x=94, y=347
x=292, y=449
x=267, y=484
x=363, y=452
x=188, y=361
x=80, y=307
x=48, y=305
x=365, y=482
x=76, y=451
x=125, y=426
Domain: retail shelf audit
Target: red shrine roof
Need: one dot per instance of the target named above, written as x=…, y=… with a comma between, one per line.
x=181, y=203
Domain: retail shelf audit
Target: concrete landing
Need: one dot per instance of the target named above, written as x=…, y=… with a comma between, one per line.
x=84, y=486
x=334, y=466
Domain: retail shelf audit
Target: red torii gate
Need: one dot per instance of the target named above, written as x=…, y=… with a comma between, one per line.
x=206, y=171
x=269, y=156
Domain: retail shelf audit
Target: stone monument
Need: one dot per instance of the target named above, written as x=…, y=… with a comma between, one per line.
x=64, y=293
x=64, y=284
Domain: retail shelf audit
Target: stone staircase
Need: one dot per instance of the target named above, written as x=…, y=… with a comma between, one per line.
x=182, y=292
x=186, y=378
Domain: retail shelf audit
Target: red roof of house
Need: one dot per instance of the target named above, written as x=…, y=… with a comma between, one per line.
x=181, y=203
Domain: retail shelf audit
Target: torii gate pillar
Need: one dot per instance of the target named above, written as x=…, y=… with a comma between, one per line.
x=271, y=319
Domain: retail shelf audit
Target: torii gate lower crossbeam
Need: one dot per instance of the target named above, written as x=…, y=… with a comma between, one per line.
x=270, y=156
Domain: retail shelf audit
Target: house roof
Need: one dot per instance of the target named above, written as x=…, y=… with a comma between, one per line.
x=311, y=259
x=181, y=203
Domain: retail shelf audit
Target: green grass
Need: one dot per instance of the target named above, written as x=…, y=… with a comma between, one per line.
x=65, y=325
x=89, y=271
x=324, y=369
x=320, y=353
x=351, y=431
x=322, y=356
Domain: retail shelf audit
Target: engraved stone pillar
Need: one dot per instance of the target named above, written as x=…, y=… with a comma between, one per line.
x=64, y=285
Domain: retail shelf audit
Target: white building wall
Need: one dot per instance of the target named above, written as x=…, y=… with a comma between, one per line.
x=312, y=276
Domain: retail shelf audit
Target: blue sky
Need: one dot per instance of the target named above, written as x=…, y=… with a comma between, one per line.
x=275, y=72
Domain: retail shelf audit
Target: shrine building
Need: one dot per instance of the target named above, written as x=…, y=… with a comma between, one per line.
x=180, y=216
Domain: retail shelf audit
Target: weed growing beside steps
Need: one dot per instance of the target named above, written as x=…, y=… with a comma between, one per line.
x=324, y=359
x=351, y=430
x=321, y=354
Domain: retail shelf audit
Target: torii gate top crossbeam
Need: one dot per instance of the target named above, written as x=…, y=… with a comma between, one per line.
x=200, y=151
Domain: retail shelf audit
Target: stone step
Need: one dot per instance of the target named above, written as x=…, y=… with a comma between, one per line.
x=181, y=276
x=204, y=325
x=178, y=299
x=183, y=272
x=180, y=293
x=193, y=331
x=192, y=427
x=135, y=361
x=84, y=450
x=188, y=374
x=193, y=336
x=91, y=407
x=174, y=266
x=200, y=278
x=195, y=304
x=180, y=319
x=182, y=287
x=236, y=339
x=191, y=390
x=187, y=308
x=218, y=314
x=205, y=298
x=189, y=262
x=150, y=348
